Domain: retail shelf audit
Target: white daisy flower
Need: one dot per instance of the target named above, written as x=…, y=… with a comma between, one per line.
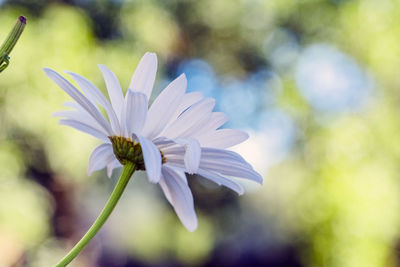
x=179, y=133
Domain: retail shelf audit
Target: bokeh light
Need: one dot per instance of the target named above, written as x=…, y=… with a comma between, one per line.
x=330, y=80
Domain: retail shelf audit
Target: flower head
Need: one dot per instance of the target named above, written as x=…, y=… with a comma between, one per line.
x=178, y=134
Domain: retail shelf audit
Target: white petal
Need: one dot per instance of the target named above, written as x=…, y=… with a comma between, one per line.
x=222, y=138
x=161, y=142
x=79, y=98
x=171, y=150
x=71, y=104
x=145, y=74
x=81, y=117
x=100, y=158
x=190, y=118
x=179, y=156
x=152, y=159
x=111, y=166
x=79, y=108
x=196, y=127
x=220, y=180
x=221, y=166
x=223, y=154
x=179, y=172
x=114, y=91
x=87, y=92
x=95, y=96
x=136, y=112
x=188, y=150
x=188, y=100
x=165, y=188
x=164, y=107
x=84, y=128
x=192, y=154
x=231, y=168
x=217, y=119
x=179, y=195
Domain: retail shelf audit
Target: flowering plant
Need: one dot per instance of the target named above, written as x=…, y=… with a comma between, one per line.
x=178, y=134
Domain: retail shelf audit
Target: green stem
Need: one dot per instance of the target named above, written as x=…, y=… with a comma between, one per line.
x=129, y=169
x=10, y=42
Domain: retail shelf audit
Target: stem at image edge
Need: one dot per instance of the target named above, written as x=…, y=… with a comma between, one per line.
x=10, y=41
x=129, y=169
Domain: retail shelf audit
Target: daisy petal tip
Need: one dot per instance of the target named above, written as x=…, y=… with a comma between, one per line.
x=191, y=169
x=184, y=81
x=192, y=229
x=183, y=77
x=191, y=225
x=240, y=191
x=181, y=81
x=72, y=74
x=151, y=56
x=102, y=68
x=192, y=165
x=243, y=135
x=49, y=72
x=155, y=178
x=260, y=180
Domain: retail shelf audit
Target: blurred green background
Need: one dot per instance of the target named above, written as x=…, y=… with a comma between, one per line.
x=315, y=83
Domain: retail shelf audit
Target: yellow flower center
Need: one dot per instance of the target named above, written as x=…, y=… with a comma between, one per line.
x=127, y=150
